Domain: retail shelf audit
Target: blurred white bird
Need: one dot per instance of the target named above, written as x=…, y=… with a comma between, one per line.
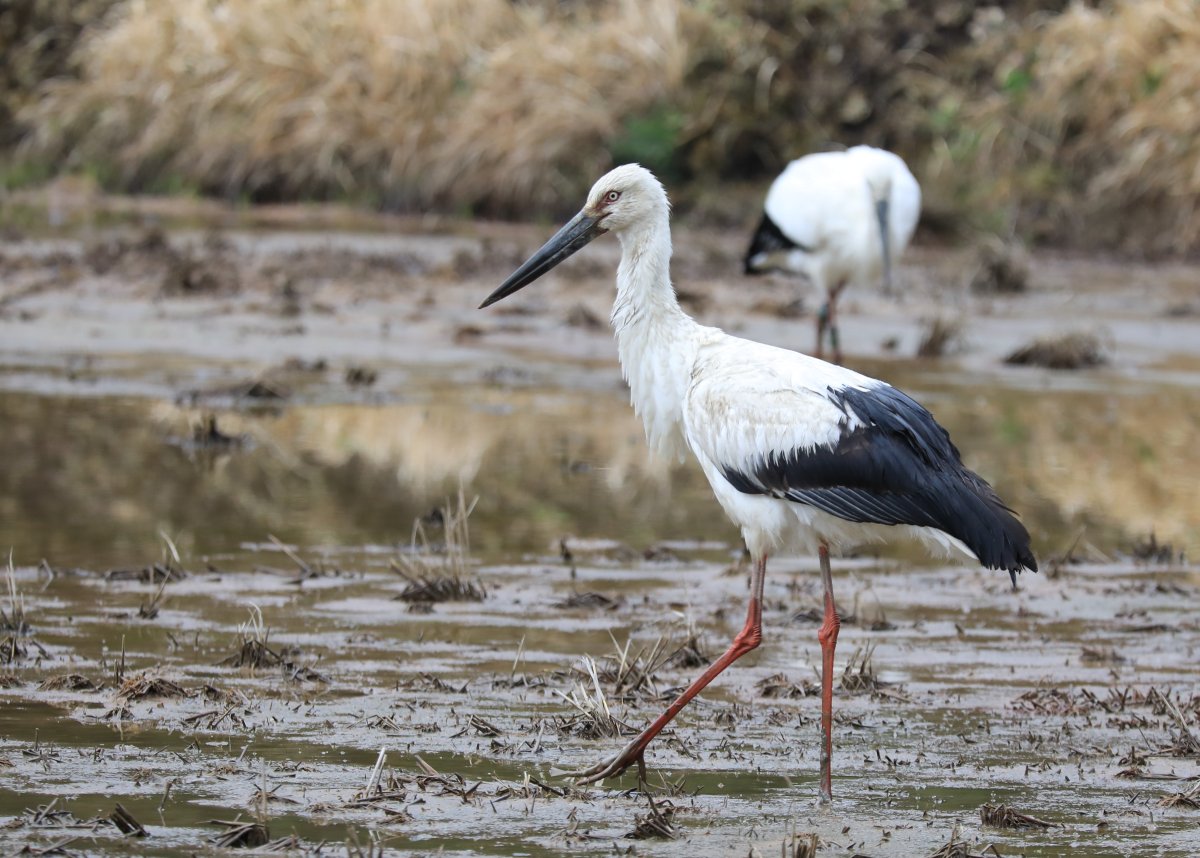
x=799, y=453
x=839, y=218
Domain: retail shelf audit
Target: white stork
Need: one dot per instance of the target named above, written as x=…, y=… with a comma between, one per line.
x=800, y=453
x=839, y=218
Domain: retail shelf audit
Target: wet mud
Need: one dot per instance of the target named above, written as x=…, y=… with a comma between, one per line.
x=309, y=557
x=268, y=691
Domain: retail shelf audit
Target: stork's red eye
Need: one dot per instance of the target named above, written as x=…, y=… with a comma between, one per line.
x=612, y=196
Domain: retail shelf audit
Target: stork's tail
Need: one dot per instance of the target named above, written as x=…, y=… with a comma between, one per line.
x=993, y=531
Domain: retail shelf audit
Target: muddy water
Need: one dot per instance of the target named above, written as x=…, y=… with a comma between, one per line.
x=91, y=480
x=1049, y=699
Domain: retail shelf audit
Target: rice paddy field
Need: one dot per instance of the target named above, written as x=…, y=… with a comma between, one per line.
x=302, y=554
x=310, y=557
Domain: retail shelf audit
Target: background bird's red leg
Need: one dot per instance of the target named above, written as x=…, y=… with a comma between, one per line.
x=747, y=639
x=828, y=636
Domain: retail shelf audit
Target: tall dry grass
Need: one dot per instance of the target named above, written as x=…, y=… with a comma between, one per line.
x=37, y=39
x=456, y=102
x=1111, y=118
x=1061, y=122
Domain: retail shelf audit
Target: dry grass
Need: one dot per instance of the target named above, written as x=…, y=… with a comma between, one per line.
x=1054, y=121
x=779, y=686
x=800, y=844
x=460, y=102
x=1113, y=96
x=593, y=718
x=36, y=41
x=68, y=682
x=940, y=335
x=252, y=643
x=1078, y=350
x=1188, y=798
x=1003, y=816
x=439, y=572
x=1000, y=268
x=13, y=620
x=144, y=686
x=656, y=823
x=859, y=675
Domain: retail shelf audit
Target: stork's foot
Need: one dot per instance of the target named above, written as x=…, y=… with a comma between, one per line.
x=632, y=753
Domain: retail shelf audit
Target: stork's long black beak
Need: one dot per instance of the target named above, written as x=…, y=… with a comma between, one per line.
x=885, y=236
x=578, y=231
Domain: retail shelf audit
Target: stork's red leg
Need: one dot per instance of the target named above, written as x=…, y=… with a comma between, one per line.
x=828, y=636
x=747, y=639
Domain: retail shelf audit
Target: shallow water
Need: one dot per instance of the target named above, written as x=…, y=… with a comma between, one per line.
x=987, y=694
x=950, y=732
x=92, y=478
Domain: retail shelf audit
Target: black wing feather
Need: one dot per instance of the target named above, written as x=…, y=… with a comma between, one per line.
x=769, y=238
x=899, y=467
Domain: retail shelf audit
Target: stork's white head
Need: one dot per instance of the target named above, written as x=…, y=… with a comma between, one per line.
x=625, y=197
x=877, y=167
x=625, y=201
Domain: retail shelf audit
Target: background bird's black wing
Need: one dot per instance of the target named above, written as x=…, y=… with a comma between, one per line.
x=898, y=467
x=768, y=238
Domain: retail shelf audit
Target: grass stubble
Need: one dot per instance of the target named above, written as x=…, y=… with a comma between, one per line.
x=631, y=675
x=440, y=572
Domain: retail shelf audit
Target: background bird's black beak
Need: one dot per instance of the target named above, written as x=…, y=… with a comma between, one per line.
x=885, y=236
x=580, y=230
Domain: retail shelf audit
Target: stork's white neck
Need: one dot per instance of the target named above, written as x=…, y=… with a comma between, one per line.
x=654, y=336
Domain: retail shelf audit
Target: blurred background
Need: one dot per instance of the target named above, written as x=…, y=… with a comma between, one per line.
x=1069, y=124
x=231, y=209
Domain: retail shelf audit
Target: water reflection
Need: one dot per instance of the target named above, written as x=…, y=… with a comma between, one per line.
x=90, y=481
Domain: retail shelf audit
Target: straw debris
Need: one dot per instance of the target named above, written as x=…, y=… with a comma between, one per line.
x=800, y=845
x=1149, y=550
x=69, y=682
x=956, y=848
x=143, y=686
x=48, y=816
x=1050, y=701
x=125, y=822
x=591, y=601
x=859, y=675
x=780, y=687
x=594, y=718
x=634, y=674
x=1189, y=798
x=254, y=652
x=655, y=824
x=439, y=573
x=13, y=620
x=940, y=336
x=1003, y=816
x=11, y=649
x=239, y=834
x=1067, y=351
x=1001, y=268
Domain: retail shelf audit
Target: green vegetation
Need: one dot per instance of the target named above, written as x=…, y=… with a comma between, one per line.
x=1066, y=124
